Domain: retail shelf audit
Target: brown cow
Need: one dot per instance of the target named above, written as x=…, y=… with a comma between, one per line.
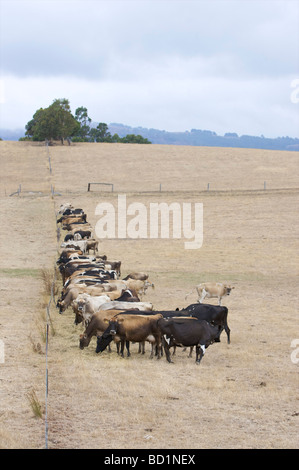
x=136, y=328
x=77, y=226
x=139, y=276
x=97, y=326
x=72, y=219
x=92, y=244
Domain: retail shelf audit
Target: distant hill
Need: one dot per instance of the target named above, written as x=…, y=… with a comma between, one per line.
x=195, y=137
x=206, y=138
x=8, y=134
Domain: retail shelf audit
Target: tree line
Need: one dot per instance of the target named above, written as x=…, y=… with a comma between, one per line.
x=58, y=123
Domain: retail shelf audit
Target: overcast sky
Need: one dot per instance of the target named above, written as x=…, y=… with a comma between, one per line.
x=221, y=65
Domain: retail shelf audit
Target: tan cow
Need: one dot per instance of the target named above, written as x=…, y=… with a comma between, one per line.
x=71, y=219
x=211, y=290
x=139, y=277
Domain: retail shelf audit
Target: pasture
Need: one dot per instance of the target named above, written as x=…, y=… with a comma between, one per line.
x=243, y=394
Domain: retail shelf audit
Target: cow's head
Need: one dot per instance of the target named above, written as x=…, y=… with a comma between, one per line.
x=79, y=304
x=103, y=341
x=79, y=308
x=228, y=289
x=84, y=341
x=61, y=306
x=113, y=325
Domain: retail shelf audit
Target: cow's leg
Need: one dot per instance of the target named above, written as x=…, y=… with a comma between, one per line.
x=191, y=350
x=122, y=346
x=152, y=350
x=159, y=351
x=158, y=347
x=166, y=348
x=219, y=301
x=141, y=348
x=203, y=295
x=200, y=350
x=128, y=348
x=227, y=330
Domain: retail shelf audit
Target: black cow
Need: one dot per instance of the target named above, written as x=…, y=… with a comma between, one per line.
x=128, y=296
x=73, y=211
x=187, y=332
x=83, y=233
x=68, y=237
x=214, y=314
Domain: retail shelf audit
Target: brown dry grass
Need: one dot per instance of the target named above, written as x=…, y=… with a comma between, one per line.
x=243, y=395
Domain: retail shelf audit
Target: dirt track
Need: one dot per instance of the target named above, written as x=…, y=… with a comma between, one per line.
x=243, y=395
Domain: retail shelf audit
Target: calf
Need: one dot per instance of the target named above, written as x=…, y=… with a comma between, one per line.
x=136, y=328
x=187, y=332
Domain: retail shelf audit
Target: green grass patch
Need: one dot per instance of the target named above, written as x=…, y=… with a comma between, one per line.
x=19, y=272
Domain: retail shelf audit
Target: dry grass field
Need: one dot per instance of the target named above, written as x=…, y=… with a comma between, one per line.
x=242, y=395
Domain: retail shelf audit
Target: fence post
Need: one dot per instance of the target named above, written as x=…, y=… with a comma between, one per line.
x=88, y=188
x=264, y=185
x=208, y=188
x=160, y=187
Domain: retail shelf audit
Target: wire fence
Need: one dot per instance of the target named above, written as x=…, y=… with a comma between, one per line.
x=48, y=314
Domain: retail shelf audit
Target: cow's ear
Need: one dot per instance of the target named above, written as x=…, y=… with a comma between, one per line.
x=106, y=320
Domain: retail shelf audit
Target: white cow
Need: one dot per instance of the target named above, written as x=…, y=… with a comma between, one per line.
x=85, y=306
x=119, y=305
x=82, y=244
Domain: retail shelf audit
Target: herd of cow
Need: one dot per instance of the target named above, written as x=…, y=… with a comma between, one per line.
x=111, y=309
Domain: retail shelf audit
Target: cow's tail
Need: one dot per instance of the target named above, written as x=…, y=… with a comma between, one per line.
x=187, y=295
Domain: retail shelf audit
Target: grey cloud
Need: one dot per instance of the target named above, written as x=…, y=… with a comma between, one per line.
x=223, y=64
x=88, y=38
